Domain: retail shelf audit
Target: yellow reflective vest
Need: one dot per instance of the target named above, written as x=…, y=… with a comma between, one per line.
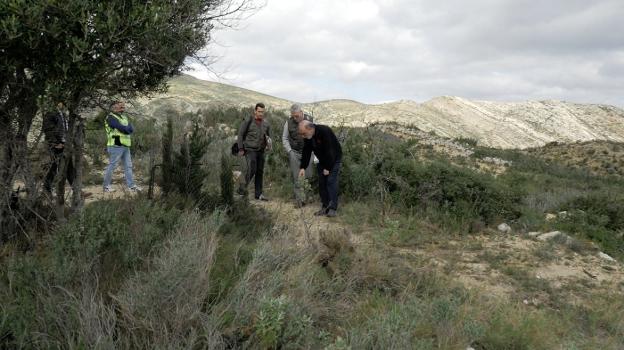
x=112, y=134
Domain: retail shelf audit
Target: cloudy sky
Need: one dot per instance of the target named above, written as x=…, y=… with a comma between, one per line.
x=384, y=50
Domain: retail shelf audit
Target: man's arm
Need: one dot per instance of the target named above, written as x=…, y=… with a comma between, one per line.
x=241, y=134
x=114, y=123
x=307, y=152
x=285, y=138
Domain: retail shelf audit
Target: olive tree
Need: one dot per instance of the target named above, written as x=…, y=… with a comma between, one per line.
x=84, y=53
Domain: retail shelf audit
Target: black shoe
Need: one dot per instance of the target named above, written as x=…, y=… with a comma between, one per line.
x=331, y=213
x=321, y=212
x=241, y=192
x=261, y=197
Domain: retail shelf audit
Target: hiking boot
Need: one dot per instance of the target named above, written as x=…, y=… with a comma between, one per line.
x=241, y=192
x=321, y=212
x=136, y=188
x=109, y=189
x=299, y=204
x=331, y=213
x=261, y=197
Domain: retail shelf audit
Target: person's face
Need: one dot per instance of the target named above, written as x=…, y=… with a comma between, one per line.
x=297, y=116
x=306, y=133
x=119, y=107
x=259, y=113
x=60, y=106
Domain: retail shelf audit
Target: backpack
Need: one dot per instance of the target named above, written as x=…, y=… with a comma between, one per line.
x=235, y=148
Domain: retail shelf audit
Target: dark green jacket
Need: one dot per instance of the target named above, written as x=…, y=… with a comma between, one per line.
x=254, y=137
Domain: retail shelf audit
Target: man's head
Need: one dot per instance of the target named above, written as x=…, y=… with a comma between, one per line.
x=259, y=111
x=118, y=107
x=296, y=112
x=60, y=106
x=306, y=129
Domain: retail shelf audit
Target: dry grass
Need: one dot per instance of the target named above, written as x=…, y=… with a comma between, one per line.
x=164, y=306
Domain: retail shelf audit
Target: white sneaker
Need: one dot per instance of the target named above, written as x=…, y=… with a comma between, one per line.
x=109, y=189
x=136, y=188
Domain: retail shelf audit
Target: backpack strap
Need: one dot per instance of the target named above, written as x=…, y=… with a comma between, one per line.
x=247, y=128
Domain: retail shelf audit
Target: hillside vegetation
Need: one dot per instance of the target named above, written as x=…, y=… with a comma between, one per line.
x=415, y=259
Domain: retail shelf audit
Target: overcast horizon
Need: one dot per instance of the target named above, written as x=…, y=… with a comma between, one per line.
x=388, y=50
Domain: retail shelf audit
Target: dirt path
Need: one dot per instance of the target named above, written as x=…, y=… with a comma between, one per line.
x=306, y=227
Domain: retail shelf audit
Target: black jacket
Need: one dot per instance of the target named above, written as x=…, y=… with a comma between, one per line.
x=325, y=146
x=55, y=127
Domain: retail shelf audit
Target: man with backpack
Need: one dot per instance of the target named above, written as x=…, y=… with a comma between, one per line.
x=253, y=140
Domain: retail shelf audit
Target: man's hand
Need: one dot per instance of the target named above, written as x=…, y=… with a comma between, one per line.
x=301, y=172
x=241, y=152
x=59, y=146
x=269, y=144
x=325, y=172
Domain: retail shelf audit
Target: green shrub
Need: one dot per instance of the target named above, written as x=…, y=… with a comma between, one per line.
x=55, y=298
x=461, y=193
x=227, y=183
x=114, y=233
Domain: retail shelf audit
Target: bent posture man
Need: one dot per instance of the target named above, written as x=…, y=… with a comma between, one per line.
x=321, y=140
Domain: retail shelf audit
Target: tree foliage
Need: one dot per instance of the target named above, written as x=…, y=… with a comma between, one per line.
x=86, y=52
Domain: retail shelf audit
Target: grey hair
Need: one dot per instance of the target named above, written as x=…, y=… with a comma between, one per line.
x=295, y=108
x=306, y=124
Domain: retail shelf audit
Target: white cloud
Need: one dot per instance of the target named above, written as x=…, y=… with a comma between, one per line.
x=384, y=50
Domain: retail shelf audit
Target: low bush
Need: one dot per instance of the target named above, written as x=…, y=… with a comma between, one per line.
x=57, y=296
x=598, y=216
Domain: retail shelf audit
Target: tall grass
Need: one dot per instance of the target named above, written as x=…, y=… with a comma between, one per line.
x=163, y=306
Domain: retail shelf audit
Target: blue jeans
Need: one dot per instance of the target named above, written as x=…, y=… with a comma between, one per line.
x=328, y=186
x=116, y=153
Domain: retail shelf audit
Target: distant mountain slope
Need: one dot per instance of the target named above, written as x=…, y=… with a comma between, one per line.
x=496, y=124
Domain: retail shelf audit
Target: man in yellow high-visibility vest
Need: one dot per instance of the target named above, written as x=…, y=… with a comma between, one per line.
x=118, y=131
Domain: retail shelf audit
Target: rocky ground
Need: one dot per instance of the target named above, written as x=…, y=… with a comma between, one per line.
x=532, y=268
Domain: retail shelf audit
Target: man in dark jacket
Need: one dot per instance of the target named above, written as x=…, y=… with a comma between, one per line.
x=321, y=140
x=253, y=140
x=55, y=125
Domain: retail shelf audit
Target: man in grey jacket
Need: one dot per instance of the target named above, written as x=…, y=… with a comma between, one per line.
x=253, y=139
x=293, y=144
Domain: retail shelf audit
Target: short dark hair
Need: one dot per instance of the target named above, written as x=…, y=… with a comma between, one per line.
x=259, y=104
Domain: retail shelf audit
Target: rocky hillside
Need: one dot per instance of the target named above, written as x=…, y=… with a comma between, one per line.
x=495, y=124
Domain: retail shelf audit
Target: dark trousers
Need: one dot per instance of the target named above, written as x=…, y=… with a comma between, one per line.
x=255, y=169
x=328, y=186
x=56, y=155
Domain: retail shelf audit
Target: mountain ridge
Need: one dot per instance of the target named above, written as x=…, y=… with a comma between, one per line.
x=496, y=124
